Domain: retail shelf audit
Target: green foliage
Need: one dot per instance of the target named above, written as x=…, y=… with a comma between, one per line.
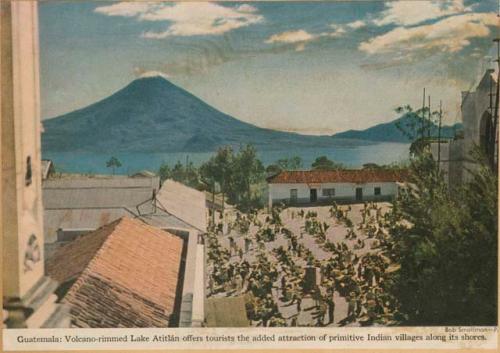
x=113, y=163
x=292, y=163
x=237, y=174
x=186, y=174
x=323, y=163
x=392, y=166
x=418, y=127
x=446, y=244
x=218, y=169
x=247, y=170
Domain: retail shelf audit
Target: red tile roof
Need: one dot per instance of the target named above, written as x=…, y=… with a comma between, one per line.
x=357, y=176
x=127, y=275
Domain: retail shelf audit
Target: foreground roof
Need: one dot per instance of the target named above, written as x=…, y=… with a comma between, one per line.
x=357, y=176
x=126, y=273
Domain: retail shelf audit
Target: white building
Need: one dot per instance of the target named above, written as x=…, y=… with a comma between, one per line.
x=322, y=186
x=478, y=116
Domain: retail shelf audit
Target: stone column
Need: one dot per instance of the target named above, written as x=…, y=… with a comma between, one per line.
x=28, y=294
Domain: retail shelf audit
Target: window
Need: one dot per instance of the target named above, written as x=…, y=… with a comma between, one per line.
x=328, y=192
x=28, y=175
x=377, y=191
x=293, y=194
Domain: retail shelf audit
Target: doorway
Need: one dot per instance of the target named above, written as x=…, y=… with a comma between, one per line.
x=359, y=194
x=313, y=195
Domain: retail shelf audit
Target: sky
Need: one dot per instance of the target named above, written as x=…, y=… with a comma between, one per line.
x=309, y=67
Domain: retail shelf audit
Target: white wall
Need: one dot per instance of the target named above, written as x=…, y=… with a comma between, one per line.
x=342, y=190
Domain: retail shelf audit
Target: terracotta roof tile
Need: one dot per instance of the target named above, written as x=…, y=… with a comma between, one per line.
x=337, y=176
x=128, y=275
x=69, y=261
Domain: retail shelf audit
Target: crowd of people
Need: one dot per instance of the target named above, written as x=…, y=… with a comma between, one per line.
x=272, y=276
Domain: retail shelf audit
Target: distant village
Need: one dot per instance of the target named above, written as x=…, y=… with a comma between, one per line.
x=145, y=250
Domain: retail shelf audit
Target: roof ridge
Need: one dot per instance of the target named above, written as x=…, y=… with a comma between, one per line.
x=149, y=227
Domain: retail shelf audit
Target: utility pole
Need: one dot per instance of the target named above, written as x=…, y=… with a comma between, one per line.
x=422, y=126
x=213, y=204
x=494, y=155
x=439, y=134
x=429, y=126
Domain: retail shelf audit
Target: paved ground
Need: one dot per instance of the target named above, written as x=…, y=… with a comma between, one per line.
x=292, y=221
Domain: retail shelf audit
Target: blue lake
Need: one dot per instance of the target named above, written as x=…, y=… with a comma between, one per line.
x=83, y=162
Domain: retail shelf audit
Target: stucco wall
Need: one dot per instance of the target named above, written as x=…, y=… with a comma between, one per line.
x=474, y=105
x=343, y=191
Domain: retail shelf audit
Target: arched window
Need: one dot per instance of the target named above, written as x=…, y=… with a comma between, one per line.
x=487, y=136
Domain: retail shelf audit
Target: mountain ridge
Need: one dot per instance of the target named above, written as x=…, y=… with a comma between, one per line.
x=154, y=115
x=389, y=132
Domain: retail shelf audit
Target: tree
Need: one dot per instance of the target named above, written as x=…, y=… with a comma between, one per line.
x=446, y=245
x=323, y=163
x=164, y=172
x=443, y=241
x=371, y=166
x=247, y=170
x=113, y=163
x=273, y=169
x=292, y=163
x=417, y=126
x=187, y=175
x=218, y=169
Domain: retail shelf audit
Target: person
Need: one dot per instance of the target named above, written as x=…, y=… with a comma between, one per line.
x=316, y=296
x=300, y=248
x=248, y=242
x=283, y=285
x=351, y=306
x=331, y=307
x=230, y=271
x=321, y=314
x=299, y=301
x=294, y=243
x=240, y=253
x=211, y=284
x=277, y=321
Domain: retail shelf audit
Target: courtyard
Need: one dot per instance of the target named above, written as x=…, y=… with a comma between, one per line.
x=311, y=266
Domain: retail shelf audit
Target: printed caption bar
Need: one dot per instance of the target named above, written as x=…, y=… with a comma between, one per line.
x=252, y=338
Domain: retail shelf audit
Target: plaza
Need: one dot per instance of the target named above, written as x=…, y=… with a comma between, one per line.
x=297, y=266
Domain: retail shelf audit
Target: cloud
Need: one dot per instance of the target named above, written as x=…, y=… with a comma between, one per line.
x=450, y=34
x=291, y=37
x=408, y=13
x=247, y=8
x=126, y=9
x=186, y=18
x=299, y=37
x=356, y=24
x=338, y=31
x=141, y=73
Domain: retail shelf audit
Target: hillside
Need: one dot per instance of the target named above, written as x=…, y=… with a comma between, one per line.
x=389, y=132
x=154, y=115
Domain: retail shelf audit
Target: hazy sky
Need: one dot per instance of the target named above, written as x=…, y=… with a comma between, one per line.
x=317, y=68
